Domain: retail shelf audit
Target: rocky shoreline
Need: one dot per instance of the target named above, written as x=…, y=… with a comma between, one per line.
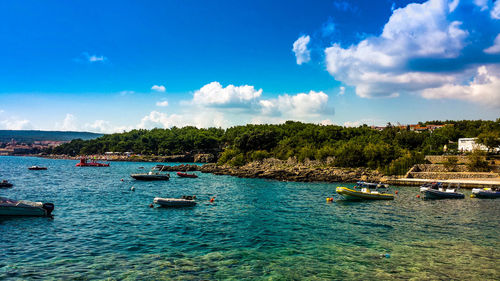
x=285, y=171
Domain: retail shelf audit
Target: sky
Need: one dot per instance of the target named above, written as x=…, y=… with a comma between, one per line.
x=113, y=66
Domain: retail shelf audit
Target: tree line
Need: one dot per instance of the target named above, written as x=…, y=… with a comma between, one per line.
x=392, y=149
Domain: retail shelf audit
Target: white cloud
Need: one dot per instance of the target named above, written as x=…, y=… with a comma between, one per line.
x=495, y=12
x=387, y=65
x=483, y=4
x=453, y=5
x=352, y=124
x=16, y=124
x=301, y=106
x=158, y=88
x=157, y=119
x=68, y=124
x=100, y=126
x=215, y=95
x=162, y=103
x=495, y=49
x=1, y=111
x=341, y=90
x=302, y=54
x=94, y=58
x=482, y=89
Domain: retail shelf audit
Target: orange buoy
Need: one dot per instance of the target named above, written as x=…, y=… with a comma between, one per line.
x=418, y=195
x=212, y=199
x=396, y=192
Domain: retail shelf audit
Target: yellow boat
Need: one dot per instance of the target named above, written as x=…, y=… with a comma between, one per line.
x=363, y=194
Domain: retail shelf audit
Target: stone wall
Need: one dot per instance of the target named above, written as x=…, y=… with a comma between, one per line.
x=448, y=176
x=434, y=159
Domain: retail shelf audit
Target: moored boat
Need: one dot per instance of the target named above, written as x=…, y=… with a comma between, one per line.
x=362, y=191
x=37, y=168
x=155, y=174
x=186, y=175
x=85, y=163
x=442, y=193
x=5, y=184
x=186, y=201
x=9, y=207
x=485, y=193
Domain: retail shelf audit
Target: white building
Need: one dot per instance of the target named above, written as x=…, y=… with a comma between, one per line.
x=469, y=144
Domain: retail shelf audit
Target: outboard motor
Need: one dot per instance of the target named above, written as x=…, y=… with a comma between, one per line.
x=48, y=207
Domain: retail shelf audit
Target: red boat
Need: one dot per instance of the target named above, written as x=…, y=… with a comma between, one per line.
x=186, y=175
x=92, y=163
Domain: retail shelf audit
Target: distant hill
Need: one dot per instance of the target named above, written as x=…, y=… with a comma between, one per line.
x=28, y=136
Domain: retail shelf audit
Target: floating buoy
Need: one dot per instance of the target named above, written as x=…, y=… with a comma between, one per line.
x=132, y=188
x=418, y=195
x=121, y=179
x=396, y=192
x=472, y=196
x=387, y=255
x=212, y=199
x=329, y=199
x=151, y=205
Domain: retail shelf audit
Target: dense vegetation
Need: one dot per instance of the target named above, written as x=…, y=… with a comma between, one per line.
x=392, y=149
x=28, y=136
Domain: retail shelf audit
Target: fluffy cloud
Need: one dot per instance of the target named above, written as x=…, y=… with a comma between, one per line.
x=158, y=88
x=157, y=119
x=416, y=44
x=100, y=126
x=302, y=54
x=495, y=12
x=495, y=49
x=482, y=89
x=301, y=106
x=16, y=124
x=162, y=103
x=215, y=95
x=68, y=124
x=341, y=90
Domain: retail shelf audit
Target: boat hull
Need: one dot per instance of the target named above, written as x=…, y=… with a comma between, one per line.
x=147, y=177
x=437, y=194
x=174, y=202
x=352, y=194
x=10, y=207
x=486, y=194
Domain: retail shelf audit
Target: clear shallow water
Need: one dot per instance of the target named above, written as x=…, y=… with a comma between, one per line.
x=256, y=229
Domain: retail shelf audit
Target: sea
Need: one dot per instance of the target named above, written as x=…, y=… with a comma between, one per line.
x=255, y=229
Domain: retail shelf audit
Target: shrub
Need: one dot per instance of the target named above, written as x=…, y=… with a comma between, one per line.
x=477, y=161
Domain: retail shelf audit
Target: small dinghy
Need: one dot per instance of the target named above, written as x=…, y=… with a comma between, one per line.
x=185, y=201
x=9, y=207
x=362, y=192
x=485, y=193
x=37, y=168
x=5, y=184
x=442, y=193
x=186, y=175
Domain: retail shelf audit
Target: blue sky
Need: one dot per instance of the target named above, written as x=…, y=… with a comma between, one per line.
x=108, y=66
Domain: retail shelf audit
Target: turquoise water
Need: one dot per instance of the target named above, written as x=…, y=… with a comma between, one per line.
x=255, y=229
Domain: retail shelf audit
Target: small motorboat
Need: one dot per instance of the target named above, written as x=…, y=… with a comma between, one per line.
x=155, y=174
x=433, y=185
x=9, y=207
x=186, y=175
x=185, y=201
x=442, y=193
x=37, y=168
x=362, y=191
x=485, y=193
x=84, y=163
x=5, y=184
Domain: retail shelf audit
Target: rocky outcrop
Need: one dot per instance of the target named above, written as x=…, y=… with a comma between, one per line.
x=283, y=171
x=204, y=158
x=181, y=168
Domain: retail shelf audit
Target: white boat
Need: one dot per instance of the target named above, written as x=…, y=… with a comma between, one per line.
x=9, y=207
x=156, y=174
x=174, y=202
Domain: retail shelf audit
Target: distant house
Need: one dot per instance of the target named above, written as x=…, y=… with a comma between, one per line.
x=469, y=144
